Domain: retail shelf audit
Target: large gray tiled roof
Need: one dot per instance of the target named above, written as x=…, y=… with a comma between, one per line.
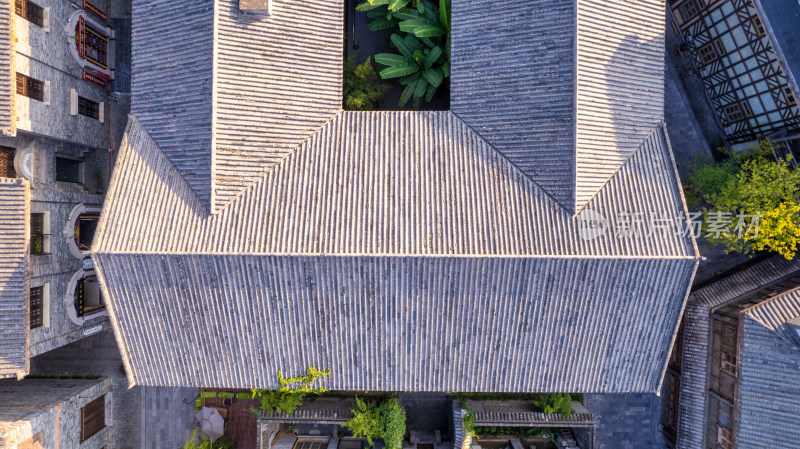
x=400, y=249
x=333, y=272
x=14, y=208
x=8, y=122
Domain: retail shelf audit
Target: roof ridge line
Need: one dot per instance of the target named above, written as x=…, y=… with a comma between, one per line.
x=122, y=152
x=617, y=170
x=384, y=255
x=766, y=302
x=268, y=170
x=500, y=153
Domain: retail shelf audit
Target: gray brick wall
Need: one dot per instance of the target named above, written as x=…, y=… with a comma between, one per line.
x=52, y=406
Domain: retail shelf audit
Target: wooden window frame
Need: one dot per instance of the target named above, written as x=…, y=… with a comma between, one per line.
x=709, y=49
x=7, y=162
x=95, y=422
x=733, y=113
x=36, y=304
x=747, y=111
x=727, y=363
x=88, y=108
x=789, y=96
x=30, y=11
x=39, y=231
x=724, y=437
x=30, y=87
x=689, y=5
x=761, y=31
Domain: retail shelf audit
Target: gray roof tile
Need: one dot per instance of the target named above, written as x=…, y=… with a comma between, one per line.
x=8, y=117
x=14, y=237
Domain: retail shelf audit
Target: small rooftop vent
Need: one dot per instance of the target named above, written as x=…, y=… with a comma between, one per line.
x=257, y=6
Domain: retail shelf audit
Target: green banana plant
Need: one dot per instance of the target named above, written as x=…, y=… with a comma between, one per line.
x=388, y=13
x=424, y=52
x=420, y=67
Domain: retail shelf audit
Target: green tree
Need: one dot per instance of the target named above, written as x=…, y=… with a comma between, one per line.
x=386, y=421
x=291, y=391
x=560, y=403
x=204, y=443
x=754, y=185
x=362, y=87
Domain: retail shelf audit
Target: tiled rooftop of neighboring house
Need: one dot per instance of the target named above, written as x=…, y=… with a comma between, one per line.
x=14, y=211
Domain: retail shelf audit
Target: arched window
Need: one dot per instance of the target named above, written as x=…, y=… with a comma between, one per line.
x=84, y=298
x=90, y=45
x=79, y=230
x=88, y=299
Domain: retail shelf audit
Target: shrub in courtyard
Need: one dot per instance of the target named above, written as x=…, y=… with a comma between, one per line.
x=291, y=391
x=193, y=443
x=755, y=197
x=560, y=403
x=386, y=421
x=362, y=88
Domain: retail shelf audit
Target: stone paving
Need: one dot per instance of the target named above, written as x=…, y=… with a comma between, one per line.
x=167, y=421
x=626, y=421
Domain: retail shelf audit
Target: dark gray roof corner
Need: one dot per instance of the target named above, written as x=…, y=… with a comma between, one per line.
x=566, y=90
x=14, y=285
x=172, y=83
x=8, y=122
x=513, y=81
x=226, y=94
x=277, y=81
x=776, y=314
x=769, y=363
x=701, y=302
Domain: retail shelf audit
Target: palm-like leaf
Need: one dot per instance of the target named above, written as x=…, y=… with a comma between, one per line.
x=381, y=23
x=410, y=79
x=399, y=70
x=422, y=86
x=433, y=76
x=432, y=57
x=426, y=30
x=444, y=14
x=430, y=93
x=396, y=5
x=390, y=59
x=371, y=4
x=401, y=46
x=407, y=93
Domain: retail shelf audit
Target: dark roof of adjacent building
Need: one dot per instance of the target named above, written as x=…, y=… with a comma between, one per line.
x=782, y=17
x=14, y=211
x=769, y=373
x=765, y=318
x=403, y=250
